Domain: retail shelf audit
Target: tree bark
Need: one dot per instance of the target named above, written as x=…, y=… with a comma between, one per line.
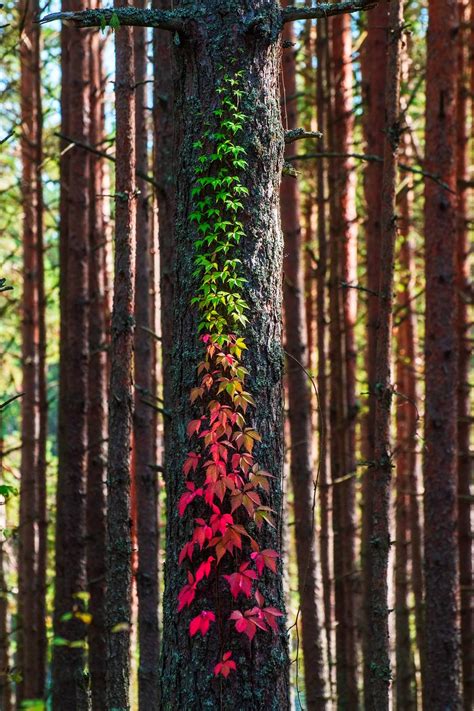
x=119, y=548
x=464, y=462
x=97, y=410
x=441, y=358
x=5, y=684
x=144, y=431
x=69, y=676
x=299, y=401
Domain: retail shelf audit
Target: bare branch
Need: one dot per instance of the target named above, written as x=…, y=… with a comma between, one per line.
x=172, y=20
x=325, y=9
x=296, y=134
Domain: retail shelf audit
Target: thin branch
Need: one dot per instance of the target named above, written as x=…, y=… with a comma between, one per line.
x=173, y=20
x=325, y=9
x=101, y=154
x=5, y=404
x=296, y=134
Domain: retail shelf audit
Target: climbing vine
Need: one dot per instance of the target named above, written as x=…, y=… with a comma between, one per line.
x=221, y=472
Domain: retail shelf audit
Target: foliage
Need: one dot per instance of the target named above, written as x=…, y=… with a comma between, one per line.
x=221, y=471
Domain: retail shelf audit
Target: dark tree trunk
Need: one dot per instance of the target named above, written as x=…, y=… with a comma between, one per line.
x=344, y=305
x=97, y=410
x=119, y=548
x=381, y=468
x=299, y=402
x=144, y=431
x=69, y=676
x=261, y=681
x=441, y=546
x=464, y=461
x=27, y=552
x=373, y=66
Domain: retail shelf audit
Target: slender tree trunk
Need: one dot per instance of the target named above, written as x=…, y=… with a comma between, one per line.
x=441, y=545
x=299, y=401
x=5, y=684
x=324, y=487
x=119, y=553
x=373, y=66
x=464, y=463
x=380, y=471
x=69, y=676
x=27, y=553
x=97, y=411
x=144, y=422
x=344, y=233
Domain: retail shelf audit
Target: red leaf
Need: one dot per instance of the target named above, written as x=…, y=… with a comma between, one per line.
x=193, y=427
x=225, y=666
x=201, y=623
x=187, y=593
x=266, y=558
x=204, y=569
x=191, y=463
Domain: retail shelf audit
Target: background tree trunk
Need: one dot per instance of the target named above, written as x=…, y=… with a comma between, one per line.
x=119, y=548
x=441, y=354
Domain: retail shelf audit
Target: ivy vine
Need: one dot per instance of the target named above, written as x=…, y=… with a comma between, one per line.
x=221, y=469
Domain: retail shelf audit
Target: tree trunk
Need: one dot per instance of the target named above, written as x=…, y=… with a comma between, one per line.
x=97, y=410
x=69, y=677
x=299, y=401
x=441, y=354
x=464, y=463
x=144, y=422
x=343, y=271
x=261, y=681
x=373, y=66
x=27, y=551
x=119, y=548
x=5, y=684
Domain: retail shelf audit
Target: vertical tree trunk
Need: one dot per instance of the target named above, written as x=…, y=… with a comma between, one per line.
x=441, y=354
x=69, y=677
x=464, y=464
x=380, y=471
x=247, y=32
x=299, y=401
x=343, y=271
x=5, y=684
x=373, y=66
x=97, y=410
x=119, y=553
x=27, y=553
x=144, y=422
x=324, y=488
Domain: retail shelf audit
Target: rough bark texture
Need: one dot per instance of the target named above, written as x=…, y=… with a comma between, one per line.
x=27, y=551
x=381, y=468
x=5, y=683
x=119, y=548
x=97, y=410
x=248, y=31
x=441, y=355
x=69, y=679
x=299, y=402
x=464, y=461
x=343, y=409
x=144, y=431
x=373, y=66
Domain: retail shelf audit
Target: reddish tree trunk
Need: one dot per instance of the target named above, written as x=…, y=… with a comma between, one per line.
x=373, y=66
x=27, y=551
x=299, y=397
x=97, y=410
x=464, y=468
x=5, y=684
x=119, y=572
x=144, y=422
x=69, y=679
x=343, y=271
x=441, y=552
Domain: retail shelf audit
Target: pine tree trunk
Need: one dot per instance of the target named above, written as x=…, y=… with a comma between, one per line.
x=261, y=681
x=144, y=422
x=344, y=232
x=69, y=677
x=441, y=354
x=5, y=684
x=27, y=550
x=119, y=548
x=97, y=410
x=464, y=462
x=299, y=402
